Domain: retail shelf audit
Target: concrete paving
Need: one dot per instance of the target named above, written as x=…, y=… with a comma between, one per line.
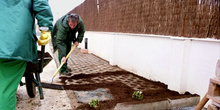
x=178, y=104
x=67, y=100
x=102, y=94
x=53, y=99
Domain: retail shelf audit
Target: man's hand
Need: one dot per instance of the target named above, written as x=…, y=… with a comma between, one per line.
x=76, y=43
x=44, y=38
x=63, y=59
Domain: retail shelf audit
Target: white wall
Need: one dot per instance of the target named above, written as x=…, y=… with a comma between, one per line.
x=184, y=64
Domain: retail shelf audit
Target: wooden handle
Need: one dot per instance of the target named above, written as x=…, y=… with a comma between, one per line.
x=202, y=103
x=62, y=63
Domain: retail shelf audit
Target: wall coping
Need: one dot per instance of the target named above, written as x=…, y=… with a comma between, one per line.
x=161, y=36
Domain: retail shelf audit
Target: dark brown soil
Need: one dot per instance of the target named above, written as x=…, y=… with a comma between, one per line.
x=122, y=84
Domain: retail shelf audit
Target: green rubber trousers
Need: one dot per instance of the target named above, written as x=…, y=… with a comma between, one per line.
x=11, y=72
x=63, y=69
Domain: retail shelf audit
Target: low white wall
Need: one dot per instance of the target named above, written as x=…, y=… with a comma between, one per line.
x=184, y=64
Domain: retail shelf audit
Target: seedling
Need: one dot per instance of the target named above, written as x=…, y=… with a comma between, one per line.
x=138, y=95
x=94, y=103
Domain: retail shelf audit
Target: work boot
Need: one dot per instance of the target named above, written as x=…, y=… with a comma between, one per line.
x=65, y=74
x=69, y=69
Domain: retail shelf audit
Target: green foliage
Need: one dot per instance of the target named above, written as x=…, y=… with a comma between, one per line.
x=94, y=103
x=138, y=95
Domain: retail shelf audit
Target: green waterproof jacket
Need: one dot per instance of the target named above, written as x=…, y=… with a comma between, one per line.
x=17, y=27
x=62, y=34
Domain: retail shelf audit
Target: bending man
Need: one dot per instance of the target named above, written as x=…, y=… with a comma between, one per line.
x=64, y=34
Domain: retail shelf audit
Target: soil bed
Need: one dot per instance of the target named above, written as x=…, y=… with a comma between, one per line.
x=121, y=85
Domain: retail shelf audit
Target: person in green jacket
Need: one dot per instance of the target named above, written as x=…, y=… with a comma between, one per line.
x=19, y=42
x=64, y=34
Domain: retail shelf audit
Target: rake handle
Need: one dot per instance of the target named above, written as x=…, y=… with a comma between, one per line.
x=62, y=63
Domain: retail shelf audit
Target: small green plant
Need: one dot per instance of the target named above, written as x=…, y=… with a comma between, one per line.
x=94, y=103
x=138, y=95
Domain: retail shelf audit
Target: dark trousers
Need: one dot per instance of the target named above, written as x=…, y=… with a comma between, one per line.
x=68, y=48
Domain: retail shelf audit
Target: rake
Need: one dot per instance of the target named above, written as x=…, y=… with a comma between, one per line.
x=62, y=63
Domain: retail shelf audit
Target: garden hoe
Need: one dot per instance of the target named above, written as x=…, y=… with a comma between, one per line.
x=62, y=63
